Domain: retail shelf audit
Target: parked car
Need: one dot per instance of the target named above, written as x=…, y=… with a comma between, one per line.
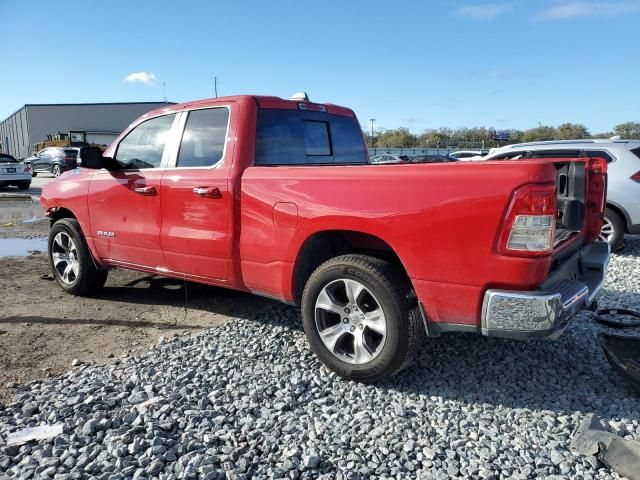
x=389, y=158
x=14, y=173
x=623, y=191
x=468, y=154
x=55, y=160
x=431, y=158
x=277, y=197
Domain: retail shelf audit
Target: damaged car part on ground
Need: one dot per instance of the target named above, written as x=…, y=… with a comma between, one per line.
x=619, y=454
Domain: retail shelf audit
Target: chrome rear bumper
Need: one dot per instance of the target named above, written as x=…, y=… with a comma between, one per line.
x=546, y=312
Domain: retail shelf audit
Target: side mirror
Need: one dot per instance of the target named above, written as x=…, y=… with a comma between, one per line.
x=91, y=157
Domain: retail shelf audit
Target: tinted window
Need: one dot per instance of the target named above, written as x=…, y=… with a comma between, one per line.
x=204, y=138
x=316, y=138
x=143, y=146
x=294, y=137
x=636, y=152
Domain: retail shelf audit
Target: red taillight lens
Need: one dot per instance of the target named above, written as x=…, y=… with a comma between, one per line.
x=636, y=176
x=529, y=226
x=28, y=167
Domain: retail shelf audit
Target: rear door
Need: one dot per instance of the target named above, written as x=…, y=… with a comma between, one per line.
x=197, y=206
x=124, y=204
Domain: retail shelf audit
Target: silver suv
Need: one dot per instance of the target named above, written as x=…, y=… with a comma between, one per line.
x=623, y=192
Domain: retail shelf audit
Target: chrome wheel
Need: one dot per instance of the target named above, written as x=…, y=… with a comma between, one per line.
x=56, y=170
x=607, y=230
x=350, y=321
x=65, y=258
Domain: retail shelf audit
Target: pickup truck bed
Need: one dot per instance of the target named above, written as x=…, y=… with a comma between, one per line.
x=277, y=197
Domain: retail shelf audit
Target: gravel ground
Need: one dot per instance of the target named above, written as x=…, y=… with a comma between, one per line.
x=249, y=400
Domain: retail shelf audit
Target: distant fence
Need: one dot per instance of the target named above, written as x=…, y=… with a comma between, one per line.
x=418, y=150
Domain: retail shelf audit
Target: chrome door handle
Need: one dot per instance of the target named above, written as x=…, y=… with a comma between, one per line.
x=210, y=192
x=145, y=190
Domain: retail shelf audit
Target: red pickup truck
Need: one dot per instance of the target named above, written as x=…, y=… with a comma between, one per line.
x=277, y=197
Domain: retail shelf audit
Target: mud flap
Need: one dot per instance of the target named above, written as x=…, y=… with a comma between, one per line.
x=617, y=453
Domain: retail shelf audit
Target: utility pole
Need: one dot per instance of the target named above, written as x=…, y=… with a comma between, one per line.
x=164, y=91
x=539, y=124
x=215, y=86
x=372, y=137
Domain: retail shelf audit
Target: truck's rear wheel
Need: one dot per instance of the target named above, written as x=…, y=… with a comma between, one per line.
x=361, y=318
x=70, y=259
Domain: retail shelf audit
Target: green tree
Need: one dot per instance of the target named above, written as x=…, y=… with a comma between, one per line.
x=396, y=138
x=539, y=134
x=571, y=131
x=628, y=130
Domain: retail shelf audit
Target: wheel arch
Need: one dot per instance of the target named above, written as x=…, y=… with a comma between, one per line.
x=321, y=246
x=622, y=212
x=56, y=214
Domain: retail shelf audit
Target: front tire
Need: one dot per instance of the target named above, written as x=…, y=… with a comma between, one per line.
x=613, y=229
x=70, y=259
x=361, y=317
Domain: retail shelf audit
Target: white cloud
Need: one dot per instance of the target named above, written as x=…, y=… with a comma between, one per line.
x=564, y=10
x=141, y=77
x=483, y=11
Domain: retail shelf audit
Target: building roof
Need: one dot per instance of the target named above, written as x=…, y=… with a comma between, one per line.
x=84, y=104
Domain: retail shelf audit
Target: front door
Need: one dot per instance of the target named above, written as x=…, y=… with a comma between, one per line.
x=196, y=203
x=124, y=204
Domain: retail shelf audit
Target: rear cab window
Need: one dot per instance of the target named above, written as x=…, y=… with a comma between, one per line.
x=204, y=138
x=301, y=137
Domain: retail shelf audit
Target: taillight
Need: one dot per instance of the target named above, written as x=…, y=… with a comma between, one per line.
x=28, y=167
x=636, y=176
x=529, y=226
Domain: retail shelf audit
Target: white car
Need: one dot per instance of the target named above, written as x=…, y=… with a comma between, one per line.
x=623, y=183
x=14, y=173
x=468, y=154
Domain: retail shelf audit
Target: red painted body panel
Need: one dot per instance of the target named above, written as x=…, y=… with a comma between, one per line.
x=442, y=220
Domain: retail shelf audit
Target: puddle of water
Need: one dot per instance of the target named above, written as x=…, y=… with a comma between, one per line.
x=20, y=247
x=26, y=211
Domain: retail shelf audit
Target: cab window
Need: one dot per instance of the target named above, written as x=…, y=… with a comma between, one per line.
x=204, y=138
x=144, y=145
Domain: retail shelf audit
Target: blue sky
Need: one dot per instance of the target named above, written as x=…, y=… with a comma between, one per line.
x=407, y=63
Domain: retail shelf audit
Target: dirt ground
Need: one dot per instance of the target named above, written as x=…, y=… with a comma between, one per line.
x=42, y=329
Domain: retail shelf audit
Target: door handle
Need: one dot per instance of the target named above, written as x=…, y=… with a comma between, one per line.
x=209, y=192
x=145, y=190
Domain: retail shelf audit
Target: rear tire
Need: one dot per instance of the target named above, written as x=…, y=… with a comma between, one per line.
x=613, y=229
x=359, y=351
x=56, y=170
x=70, y=259
x=34, y=174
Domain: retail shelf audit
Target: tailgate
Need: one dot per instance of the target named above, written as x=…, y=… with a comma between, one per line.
x=580, y=202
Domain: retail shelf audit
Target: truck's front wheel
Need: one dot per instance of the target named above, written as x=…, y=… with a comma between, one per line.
x=361, y=318
x=70, y=259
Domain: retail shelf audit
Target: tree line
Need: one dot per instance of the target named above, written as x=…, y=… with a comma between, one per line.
x=483, y=136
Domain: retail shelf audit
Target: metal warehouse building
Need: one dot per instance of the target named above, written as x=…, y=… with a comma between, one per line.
x=34, y=122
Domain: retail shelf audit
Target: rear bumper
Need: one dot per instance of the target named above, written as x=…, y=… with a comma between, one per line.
x=12, y=178
x=546, y=312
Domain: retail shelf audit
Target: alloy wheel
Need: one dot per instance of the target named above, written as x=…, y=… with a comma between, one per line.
x=606, y=233
x=65, y=258
x=56, y=170
x=350, y=321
